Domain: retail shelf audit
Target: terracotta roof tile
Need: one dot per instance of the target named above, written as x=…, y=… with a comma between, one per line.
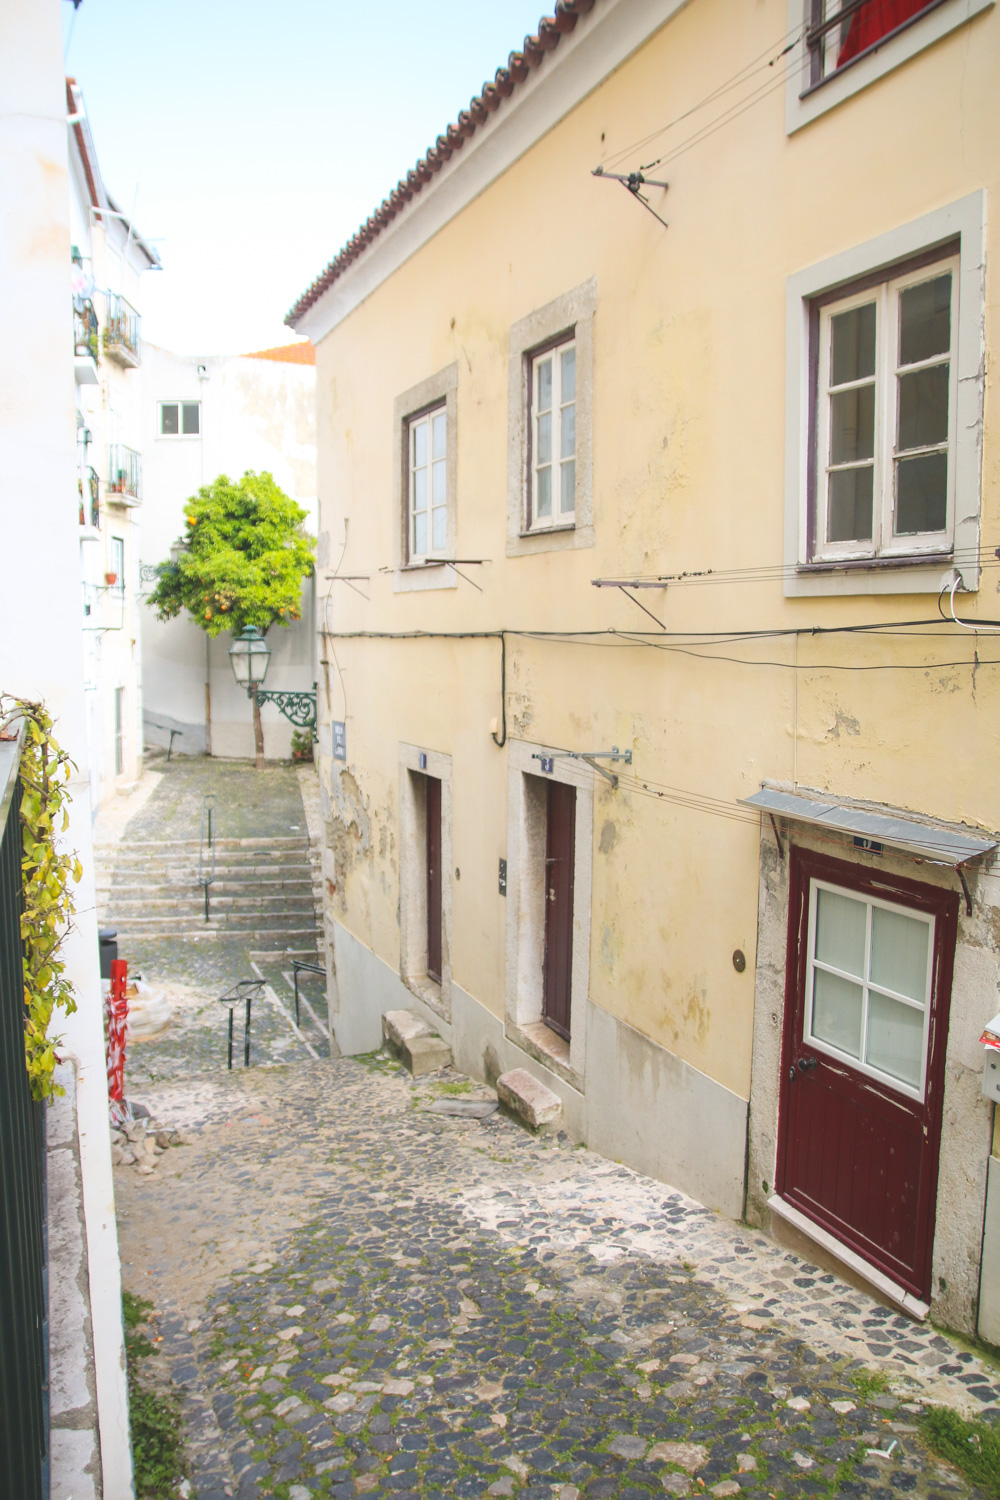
x=550, y=30
x=287, y=354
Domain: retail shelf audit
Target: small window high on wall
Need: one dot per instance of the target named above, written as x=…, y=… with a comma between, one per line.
x=841, y=30
x=180, y=418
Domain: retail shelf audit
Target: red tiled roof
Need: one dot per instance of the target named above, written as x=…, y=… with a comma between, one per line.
x=550, y=31
x=288, y=354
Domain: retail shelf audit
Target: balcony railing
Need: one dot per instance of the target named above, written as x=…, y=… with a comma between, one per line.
x=124, y=474
x=123, y=332
x=86, y=335
x=90, y=498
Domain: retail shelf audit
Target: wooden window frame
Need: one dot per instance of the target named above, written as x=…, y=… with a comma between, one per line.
x=559, y=520
x=417, y=419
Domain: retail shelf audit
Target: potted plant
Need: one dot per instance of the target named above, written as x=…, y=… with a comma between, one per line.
x=302, y=744
x=111, y=579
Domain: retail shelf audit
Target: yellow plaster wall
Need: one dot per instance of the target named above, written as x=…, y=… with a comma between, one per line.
x=689, y=451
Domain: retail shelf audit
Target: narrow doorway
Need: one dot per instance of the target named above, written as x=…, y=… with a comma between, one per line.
x=433, y=817
x=560, y=853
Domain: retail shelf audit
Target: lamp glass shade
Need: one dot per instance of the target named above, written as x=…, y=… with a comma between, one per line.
x=249, y=655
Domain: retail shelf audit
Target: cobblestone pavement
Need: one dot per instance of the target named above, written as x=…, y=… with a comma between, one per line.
x=360, y=1296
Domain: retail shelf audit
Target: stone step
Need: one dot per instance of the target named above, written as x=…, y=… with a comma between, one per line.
x=530, y=1101
x=418, y=1047
x=298, y=841
x=230, y=922
x=233, y=905
x=145, y=867
x=298, y=938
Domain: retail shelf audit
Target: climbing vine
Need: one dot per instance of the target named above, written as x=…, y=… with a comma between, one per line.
x=47, y=872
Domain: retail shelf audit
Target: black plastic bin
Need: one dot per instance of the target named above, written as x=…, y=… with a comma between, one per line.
x=107, y=940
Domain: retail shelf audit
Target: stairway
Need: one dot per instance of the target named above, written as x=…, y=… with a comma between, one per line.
x=266, y=891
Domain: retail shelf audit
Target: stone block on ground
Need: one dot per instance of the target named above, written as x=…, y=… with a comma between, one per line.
x=530, y=1100
x=425, y=1054
x=399, y=1026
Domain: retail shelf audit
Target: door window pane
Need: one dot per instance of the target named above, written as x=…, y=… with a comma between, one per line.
x=841, y=924
x=837, y=1011
x=899, y=953
x=895, y=1039
x=849, y=514
x=852, y=344
x=925, y=320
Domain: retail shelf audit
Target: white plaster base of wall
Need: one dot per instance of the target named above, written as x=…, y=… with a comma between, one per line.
x=989, y=1285
x=642, y=1105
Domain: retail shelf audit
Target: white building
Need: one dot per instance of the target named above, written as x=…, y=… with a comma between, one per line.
x=201, y=417
x=109, y=258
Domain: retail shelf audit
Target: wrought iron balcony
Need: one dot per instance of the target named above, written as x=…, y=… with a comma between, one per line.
x=90, y=498
x=124, y=483
x=86, y=341
x=123, y=332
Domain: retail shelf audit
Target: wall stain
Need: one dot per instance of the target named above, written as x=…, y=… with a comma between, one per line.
x=609, y=836
x=843, y=723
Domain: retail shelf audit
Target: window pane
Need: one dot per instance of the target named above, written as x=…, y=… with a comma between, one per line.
x=852, y=425
x=568, y=360
x=439, y=473
x=420, y=443
x=545, y=438
x=925, y=320
x=420, y=533
x=836, y=1017
x=899, y=953
x=420, y=489
x=545, y=385
x=567, y=500
x=852, y=344
x=849, y=512
x=841, y=923
x=923, y=407
x=921, y=494
x=543, y=500
x=440, y=516
x=567, y=424
x=189, y=416
x=440, y=423
x=895, y=1039
x=168, y=421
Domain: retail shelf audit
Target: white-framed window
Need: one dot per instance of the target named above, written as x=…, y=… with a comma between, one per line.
x=180, y=419
x=552, y=497
x=886, y=416
x=427, y=487
x=868, y=985
x=118, y=563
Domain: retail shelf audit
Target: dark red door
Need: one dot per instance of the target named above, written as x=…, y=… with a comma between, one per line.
x=560, y=849
x=433, y=807
x=868, y=985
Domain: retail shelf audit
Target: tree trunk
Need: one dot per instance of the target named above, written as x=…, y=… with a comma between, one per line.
x=258, y=735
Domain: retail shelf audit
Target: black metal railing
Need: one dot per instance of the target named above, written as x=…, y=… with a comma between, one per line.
x=89, y=486
x=124, y=472
x=24, y=1413
x=206, y=850
x=123, y=331
x=86, y=333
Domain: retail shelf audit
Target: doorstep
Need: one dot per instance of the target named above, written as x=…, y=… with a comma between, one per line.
x=889, y=1289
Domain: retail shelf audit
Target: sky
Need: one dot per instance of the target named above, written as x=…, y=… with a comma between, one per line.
x=255, y=136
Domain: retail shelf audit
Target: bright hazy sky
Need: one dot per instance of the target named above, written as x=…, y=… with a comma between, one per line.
x=255, y=136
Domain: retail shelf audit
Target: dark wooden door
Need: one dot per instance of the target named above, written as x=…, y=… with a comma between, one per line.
x=857, y=1151
x=560, y=850
x=433, y=806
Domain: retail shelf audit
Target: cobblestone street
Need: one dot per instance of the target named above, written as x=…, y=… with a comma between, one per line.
x=359, y=1294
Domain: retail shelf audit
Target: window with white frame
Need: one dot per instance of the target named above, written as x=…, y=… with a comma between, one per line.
x=552, y=490
x=868, y=985
x=885, y=417
x=180, y=418
x=118, y=564
x=427, y=474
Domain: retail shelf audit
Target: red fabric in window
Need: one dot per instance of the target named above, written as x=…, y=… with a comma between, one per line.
x=874, y=21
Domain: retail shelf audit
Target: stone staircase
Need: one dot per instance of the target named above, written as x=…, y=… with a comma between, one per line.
x=266, y=891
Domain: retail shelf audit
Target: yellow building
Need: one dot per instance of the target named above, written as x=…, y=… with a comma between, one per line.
x=702, y=474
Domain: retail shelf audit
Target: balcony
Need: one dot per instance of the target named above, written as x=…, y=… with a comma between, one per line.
x=86, y=342
x=123, y=333
x=89, y=487
x=124, y=482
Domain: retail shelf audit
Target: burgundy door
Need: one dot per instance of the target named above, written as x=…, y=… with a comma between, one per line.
x=433, y=811
x=560, y=849
x=868, y=985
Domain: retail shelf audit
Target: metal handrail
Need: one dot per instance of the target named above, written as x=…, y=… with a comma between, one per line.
x=299, y=965
x=206, y=849
x=246, y=991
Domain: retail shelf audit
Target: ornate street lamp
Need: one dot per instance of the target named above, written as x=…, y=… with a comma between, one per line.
x=249, y=655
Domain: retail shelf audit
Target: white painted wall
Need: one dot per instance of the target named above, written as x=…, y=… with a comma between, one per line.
x=256, y=414
x=41, y=637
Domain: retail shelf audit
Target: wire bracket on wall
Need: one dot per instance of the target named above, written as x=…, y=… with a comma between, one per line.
x=965, y=887
x=457, y=563
x=632, y=182
x=625, y=585
x=351, y=579
x=590, y=756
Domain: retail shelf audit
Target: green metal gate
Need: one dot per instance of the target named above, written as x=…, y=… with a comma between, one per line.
x=23, y=1303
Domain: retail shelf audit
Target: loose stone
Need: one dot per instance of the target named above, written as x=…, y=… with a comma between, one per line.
x=689, y=1456
x=627, y=1446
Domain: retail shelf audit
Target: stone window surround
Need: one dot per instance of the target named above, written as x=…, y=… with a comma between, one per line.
x=525, y=935
x=571, y=315
x=440, y=389
x=413, y=877
x=804, y=104
x=964, y=221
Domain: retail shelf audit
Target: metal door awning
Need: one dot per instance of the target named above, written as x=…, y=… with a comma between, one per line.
x=935, y=842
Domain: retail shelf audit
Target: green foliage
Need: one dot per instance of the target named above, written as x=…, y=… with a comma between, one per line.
x=302, y=744
x=870, y=1383
x=243, y=560
x=973, y=1447
x=155, y=1416
x=46, y=874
